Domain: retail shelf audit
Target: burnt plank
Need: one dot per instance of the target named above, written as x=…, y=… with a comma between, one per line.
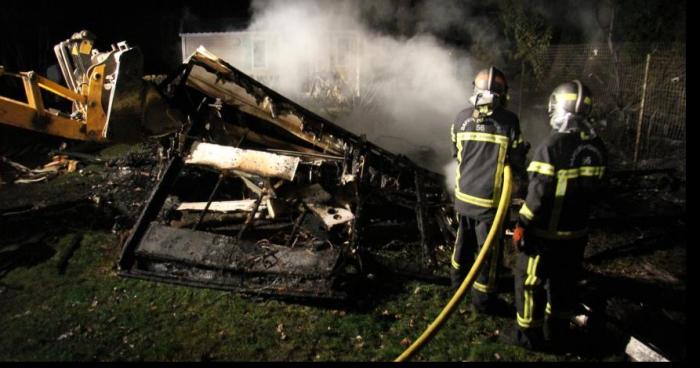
x=211, y=250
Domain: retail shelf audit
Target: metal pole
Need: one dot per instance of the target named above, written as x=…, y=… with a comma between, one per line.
x=211, y=197
x=641, y=110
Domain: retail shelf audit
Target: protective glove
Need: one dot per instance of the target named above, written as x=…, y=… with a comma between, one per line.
x=518, y=239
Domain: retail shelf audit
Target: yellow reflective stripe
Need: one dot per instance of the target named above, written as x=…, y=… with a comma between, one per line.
x=541, y=168
x=531, y=280
x=525, y=211
x=500, y=164
x=528, y=304
x=528, y=291
x=528, y=323
x=518, y=141
x=563, y=177
x=559, y=194
x=455, y=265
x=592, y=171
x=502, y=141
x=560, y=235
x=481, y=202
x=568, y=174
x=582, y=171
x=454, y=262
x=572, y=97
x=566, y=96
x=482, y=137
x=548, y=308
x=459, y=157
x=481, y=287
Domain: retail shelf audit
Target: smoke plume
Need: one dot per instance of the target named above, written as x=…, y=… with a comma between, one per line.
x=411, y=85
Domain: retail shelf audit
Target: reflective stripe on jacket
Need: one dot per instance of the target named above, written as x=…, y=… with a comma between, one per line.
x=565, y=175
x=482, y=147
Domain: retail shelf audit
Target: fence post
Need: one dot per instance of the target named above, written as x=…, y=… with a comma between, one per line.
x=641, y=110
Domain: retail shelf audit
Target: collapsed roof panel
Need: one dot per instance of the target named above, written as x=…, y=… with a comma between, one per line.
x=263, y=196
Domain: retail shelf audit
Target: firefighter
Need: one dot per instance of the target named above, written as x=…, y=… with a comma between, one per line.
x=565, y=175
x=485, y=138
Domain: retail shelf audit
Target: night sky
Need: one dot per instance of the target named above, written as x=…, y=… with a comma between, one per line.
x=29, y=29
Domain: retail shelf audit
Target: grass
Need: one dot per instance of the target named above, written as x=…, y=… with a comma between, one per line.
x=91, y=314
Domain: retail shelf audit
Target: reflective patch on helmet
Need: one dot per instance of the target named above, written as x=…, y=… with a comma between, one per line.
x=587, y=101
x=566, y=96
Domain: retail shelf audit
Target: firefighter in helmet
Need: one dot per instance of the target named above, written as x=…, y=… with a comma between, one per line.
x=565, y=175
x=485, y=138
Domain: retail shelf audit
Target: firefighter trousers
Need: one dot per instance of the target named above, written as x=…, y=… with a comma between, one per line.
x=471, y=236
x=546, y=275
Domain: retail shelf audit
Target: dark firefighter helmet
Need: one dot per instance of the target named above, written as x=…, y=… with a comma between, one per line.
x=569, y=101
x=490, y=88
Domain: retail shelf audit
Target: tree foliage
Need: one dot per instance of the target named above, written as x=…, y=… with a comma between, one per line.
x=529, y=33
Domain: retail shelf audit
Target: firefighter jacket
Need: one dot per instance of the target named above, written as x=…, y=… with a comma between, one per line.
x=565, y=176
x=483, y=144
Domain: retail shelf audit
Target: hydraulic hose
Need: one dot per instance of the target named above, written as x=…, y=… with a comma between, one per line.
x=471, y=276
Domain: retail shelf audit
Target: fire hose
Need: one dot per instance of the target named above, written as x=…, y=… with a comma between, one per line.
x=471, y=276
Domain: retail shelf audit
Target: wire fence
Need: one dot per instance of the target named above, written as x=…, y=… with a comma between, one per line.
x=639, y=97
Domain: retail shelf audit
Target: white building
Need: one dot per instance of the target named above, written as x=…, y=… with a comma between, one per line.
x=332, y=75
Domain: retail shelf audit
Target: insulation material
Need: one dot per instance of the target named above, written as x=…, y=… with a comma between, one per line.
x=248, y=161
x=245, y=205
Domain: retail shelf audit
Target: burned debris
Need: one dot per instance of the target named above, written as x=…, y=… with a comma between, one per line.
x=254, y=193
x=261, y=195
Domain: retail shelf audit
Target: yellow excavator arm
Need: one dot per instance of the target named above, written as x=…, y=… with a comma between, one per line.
x=86, y=123
x=109, y=97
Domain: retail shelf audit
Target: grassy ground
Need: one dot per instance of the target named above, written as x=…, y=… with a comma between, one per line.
x=89, y=313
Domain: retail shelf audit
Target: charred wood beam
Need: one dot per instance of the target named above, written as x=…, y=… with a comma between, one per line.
x=448, y=234
x=284, y=147
x=254, y=98
x=150, y=211
x=211, y=197
x=238, y=283
x=219, y=252
x=307, y=154
x=259, y=226
x=213, y=220
x=358, y=165
x=182, y=71
x=296, y=227
x=160, y=192
x=426, y=251
x=251, y=217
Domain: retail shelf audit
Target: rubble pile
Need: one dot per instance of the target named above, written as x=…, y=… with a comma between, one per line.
x=261, y=195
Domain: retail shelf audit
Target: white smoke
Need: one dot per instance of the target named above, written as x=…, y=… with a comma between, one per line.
x=416, y=84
